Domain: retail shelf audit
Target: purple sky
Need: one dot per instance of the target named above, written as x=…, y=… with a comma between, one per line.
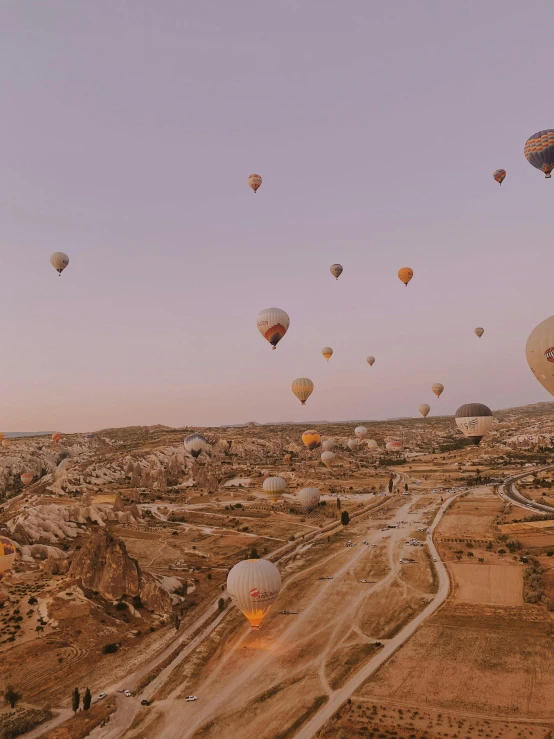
x=128, y=132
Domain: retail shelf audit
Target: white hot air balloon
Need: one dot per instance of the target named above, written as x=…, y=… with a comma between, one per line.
x=328, y=445
x=474, y=420
x=361, y=432
x=309, y=498
x=372, y=444
x=254, y=585
x=274, y=487
x=424, y=409
x=59, y=261
x=540, y=353
x=328, y=458
x=195, y=444
x=273, y=324
x=370, y=361
x=479, y=332
x=352, y=444
x=336, y=270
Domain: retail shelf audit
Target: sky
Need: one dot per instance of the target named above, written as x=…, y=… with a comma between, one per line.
x=128, y=132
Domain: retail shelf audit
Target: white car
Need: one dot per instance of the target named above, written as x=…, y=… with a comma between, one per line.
x=102, y=696
x=191, y=698
x=127, y=693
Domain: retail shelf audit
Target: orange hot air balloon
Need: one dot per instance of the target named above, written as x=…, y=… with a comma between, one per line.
x=7, y=555
x=5, y=443
x=405, y=274
x=311, y=439
x=255, y=182
x=56, y=437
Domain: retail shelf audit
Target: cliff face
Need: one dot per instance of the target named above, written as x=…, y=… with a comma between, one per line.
x=103, y=565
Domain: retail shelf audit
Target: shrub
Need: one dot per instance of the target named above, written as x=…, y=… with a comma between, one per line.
x=111, y=648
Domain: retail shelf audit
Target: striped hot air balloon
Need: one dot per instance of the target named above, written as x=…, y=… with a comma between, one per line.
x=274, y=487
x=195, y=444
x=499, y=175
x=302, y=387
x=27, y=478
x=273, y=324
x=539, y=151
x=437, y=388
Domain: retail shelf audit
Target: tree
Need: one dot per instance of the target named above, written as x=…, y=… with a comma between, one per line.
x=87, y=698
x=406, y=486
x=176, y=622
x=11, y=696
x=390, y=485
x=254, y=553
x=470, y=554
x=75, y=700
x=221, y=604
x=338, y=503
x=501, y=552
x=344, y=518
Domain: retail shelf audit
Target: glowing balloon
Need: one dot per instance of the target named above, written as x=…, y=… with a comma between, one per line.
x=327, y=352
x=302, y=387
x=273, y=324
x=328, y=458
x=479, y=332
x=27, y=478
x=474, y=420
x=405, y=274
x=499, y=175
x=361, y=432
x=437, y=388
x=255, y=182
x=59, y=261
x=424, y=409
x=7, y=555
x=370, y=361
x=311, y=439
x=254, y=585
x=539, y=151
x=336, y=270
x=540, y=353
x=309, y=498
x=195, y=444
x=274, y=487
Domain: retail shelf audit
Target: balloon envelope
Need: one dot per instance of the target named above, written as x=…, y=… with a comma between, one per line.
x=424, y=409
x=328, y=458
x=274, y=487
x=273, y=324
x=405, y=274
x=328, y=445
x=56, y=437
x=59, y=261
x=479, y=331
x=539, y=151
x=540, y=353
x=311, y=439
x=27, y=478
x=372, y=444
x=395, y=446
x=437, y=388
x=5, y=443
x=327, y=352
x=336, y=270
x=474, y=420
x=7, y=555
x=255, y=182
x=254, y=585
x=361, y=432
x=499, y=175
x=308, y=498
x=370, y=361
x=302, y=387
x=352, y=444
x=195, y=444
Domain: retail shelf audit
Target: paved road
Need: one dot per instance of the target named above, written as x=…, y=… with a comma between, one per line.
x=508, y=491
x=338, y=697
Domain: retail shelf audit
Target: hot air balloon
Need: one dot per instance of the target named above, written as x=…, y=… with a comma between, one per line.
x=336, y=270
x=302, y=387
x=7, y=555
x=27, y=478
x=327, y=352
x=273, y=324
x=254, y=585
x=255, y=182
x=499, y=175
x=361, y=432
x=5, y=443
x=479, y=332
x=424, y=409
x=56, y=438
x=309, y=498
x=287, y=459
x=328, y=445
x=540, y=353
x=474, y=420
x=539, y=151
x=195, y=444
x=1, y=436
x=405, y=274
x=395, y=446
x=372, y=444
x=328, y=458
x=59, y=261
x=370, y=361
x=311, y=439
x=274, y=487
x=437, y=388
x=352, y=444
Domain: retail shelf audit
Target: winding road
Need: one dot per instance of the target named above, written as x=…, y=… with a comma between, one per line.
x=509, y=492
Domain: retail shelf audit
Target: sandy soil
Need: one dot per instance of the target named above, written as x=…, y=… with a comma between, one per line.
x=500, y=585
